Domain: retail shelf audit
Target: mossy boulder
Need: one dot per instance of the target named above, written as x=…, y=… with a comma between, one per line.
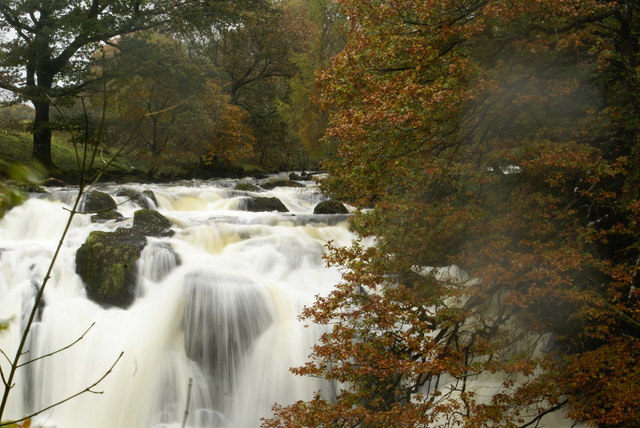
x=151, y=223
x=52, y=182
x=247, y=187
x=330, y=207
x=271, y=184
x=106, y=262
x=96, y=201
x=259, y=204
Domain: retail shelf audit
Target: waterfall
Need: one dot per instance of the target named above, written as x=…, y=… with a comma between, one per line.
x=216, y=302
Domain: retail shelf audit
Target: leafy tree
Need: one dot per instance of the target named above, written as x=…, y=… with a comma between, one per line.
x=255, y=62
x=500, y=137
x=164, y=103
x=325, y=29
x=46, y=44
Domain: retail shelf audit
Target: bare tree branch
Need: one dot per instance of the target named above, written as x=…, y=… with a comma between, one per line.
x=59, y=350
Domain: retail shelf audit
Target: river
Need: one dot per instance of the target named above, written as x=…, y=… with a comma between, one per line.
x=224, y=315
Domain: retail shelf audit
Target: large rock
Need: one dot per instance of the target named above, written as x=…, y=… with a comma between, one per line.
x=330, y=207
x=281, y=183
x=151, y=223
x=106, y=262
x=95, y=201
x=258, y=204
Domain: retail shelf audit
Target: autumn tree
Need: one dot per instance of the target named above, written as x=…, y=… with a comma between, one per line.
x=46, y=44
x=163, y=103
x=496, y=143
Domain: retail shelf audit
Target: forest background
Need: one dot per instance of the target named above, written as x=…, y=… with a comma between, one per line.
x=491, y=147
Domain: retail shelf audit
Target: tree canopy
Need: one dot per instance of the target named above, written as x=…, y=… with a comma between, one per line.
x=46, y=45
x=494, y=146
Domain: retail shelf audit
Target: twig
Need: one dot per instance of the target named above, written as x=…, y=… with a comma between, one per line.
x=543, y=414
x=71, y=397
x=59, y=350
x=186, y=409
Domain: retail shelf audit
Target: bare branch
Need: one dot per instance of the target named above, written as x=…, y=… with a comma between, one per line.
x=186, y=409
x=71, y=397
x=59, y=350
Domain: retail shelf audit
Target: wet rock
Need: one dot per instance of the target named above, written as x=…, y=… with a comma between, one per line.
x=259, y=204
x=330, y=207
x=247, y=187
x=138, y=198
x=151, y=223
x=281, y=183
x=152, y=196
x=52, y=182
x=106, y=262
x=294, y=176
x=96, y=201
x=103, y=216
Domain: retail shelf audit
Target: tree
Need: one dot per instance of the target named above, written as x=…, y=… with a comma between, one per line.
x=163, y=102
x=47, y=44
x=500, y=137
x=325, y=29
x=254, y=62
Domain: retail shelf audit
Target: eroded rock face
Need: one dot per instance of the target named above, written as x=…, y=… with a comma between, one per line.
x=330, y=207
x=106, y=261
x=259, y=204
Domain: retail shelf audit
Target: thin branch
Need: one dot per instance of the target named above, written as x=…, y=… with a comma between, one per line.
x=543, y=414
x=71, y=397
x=6, y=356
x=59, y=350
x=186, y=409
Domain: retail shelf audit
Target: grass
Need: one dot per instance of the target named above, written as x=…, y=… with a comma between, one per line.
x=16, y=147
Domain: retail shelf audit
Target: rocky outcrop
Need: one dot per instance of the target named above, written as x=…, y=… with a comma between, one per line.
x=106, y=261
x=330, y=207
x=271, y=184
x=258, y=204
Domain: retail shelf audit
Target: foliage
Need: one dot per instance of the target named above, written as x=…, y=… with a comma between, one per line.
x=48, y=54
x=500, y=137
x=165, y=104
x=324, y=31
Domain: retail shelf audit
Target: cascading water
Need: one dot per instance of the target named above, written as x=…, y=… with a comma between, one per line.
x=216, y=303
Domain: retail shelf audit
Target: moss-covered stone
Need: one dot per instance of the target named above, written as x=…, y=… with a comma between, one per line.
x=96, y=201
x=106, y=262
x=258, y=204
x=281, y=183
x=247, y=187
x=330, y=207
x=151, y=223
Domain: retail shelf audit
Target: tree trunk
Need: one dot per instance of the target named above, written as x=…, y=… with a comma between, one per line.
x=42, y=134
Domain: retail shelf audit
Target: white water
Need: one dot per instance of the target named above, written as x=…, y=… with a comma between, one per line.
x=217, y=303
